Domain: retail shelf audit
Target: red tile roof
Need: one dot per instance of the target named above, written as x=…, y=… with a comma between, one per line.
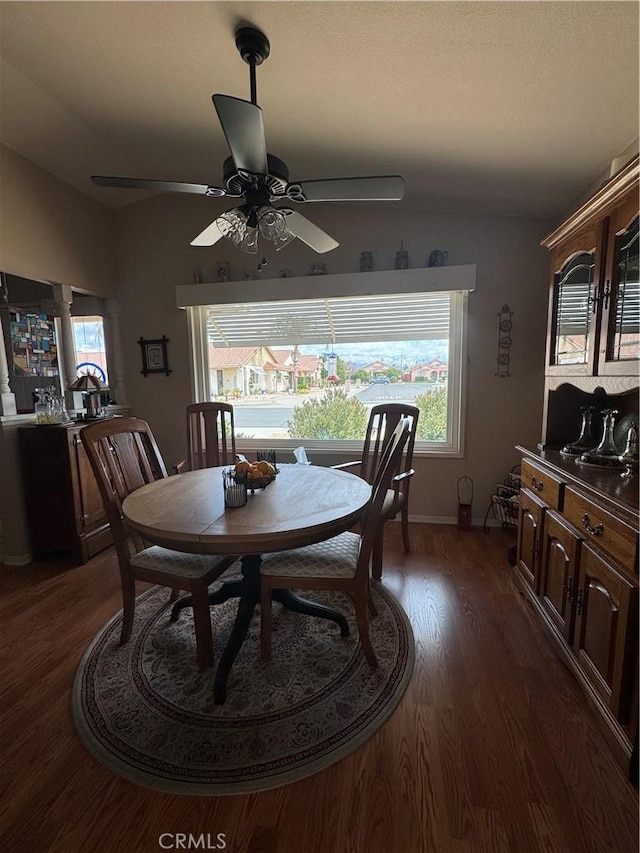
x=220, y=357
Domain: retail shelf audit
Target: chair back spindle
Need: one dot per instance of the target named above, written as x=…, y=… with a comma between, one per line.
x=210, y=435
x=124, y=456
x=389, y=465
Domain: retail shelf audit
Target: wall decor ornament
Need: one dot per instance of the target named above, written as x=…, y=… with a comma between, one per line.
x=505, y=326
x=154, y=355
x=402, y=257
x=438, y=258
x=366, y=261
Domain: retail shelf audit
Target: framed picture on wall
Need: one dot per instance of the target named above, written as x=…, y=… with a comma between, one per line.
x=154, y=355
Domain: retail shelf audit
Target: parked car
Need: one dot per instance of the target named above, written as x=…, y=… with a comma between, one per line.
x=379, y=380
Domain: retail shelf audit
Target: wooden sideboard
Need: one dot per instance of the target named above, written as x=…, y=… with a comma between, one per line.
x=64, y=508
x=577, y=564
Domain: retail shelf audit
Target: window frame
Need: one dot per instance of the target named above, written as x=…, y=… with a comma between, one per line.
x=458, y=281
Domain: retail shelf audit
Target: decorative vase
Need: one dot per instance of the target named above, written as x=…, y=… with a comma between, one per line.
x=630, y=457
x=585, y=440
x=402, y=258
x=366, y=261
x=606, y=453
x=438, y=258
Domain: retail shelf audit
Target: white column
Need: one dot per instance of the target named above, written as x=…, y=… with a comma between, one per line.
x=67, y=359
x=114, y=354
x=7, y=399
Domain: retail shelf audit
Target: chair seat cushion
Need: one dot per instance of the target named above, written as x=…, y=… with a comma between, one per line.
x=174, y=562
x=333, y=558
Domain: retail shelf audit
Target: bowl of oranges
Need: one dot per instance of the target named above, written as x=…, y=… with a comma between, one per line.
x=255, y=475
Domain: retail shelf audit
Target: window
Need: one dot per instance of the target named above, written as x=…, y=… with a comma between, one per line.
x=91, y=356
x=573, y=303
x=308, y=371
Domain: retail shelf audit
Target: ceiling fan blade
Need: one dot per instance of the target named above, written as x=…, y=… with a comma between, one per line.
x=161, y=186
x=244, y=131
x=209, y=236
x=309, y=233
x=377, y=188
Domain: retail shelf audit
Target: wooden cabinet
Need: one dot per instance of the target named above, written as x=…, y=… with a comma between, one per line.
x=619, y=337
x=560, y=552
x=606, y=618
x=64, y=507
x=594, y=294
x=577, y=559
x=577, y=563
x=529, y=538
x=593, y=339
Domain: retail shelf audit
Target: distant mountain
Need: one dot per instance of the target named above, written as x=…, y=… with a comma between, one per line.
x=396, y=353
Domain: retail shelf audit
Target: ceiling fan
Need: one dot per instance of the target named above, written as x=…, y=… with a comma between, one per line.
x=261, y=179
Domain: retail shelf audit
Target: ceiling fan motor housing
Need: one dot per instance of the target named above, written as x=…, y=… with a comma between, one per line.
x=275, y=183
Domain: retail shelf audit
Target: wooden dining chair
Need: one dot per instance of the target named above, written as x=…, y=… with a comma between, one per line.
x=124, y=456
x=383, y=420
x=211, y=437
x=341, y=563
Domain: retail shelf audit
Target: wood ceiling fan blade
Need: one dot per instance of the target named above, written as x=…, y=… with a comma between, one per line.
x=160, y=186
x=244, y=131
x=375, y=188
x=209, y=236
x=309, y=233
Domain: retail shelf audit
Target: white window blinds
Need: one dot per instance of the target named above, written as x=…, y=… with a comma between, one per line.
x=397, y=317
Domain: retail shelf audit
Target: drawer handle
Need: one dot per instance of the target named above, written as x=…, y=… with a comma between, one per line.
x=538, y=485
x=598, y=530
x=566, y=589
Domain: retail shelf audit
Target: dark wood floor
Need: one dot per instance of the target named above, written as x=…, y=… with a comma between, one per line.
x=493, y=747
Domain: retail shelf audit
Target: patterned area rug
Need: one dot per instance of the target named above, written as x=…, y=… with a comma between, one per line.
x=146, y=711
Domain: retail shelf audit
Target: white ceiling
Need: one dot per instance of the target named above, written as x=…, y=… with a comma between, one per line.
x=488, y=107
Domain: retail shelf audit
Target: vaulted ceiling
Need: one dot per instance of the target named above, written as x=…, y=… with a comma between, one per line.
x=488, y=107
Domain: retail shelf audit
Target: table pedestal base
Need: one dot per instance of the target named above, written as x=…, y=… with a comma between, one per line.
x=247, y=589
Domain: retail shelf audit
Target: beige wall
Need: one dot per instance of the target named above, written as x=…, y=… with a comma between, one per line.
x=154, y=255
x=52, y=232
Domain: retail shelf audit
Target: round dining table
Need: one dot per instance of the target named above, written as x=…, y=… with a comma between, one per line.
x=303, y=505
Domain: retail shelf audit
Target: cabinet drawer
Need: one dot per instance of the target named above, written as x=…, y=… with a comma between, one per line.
x=602, y=528
x=542, y=483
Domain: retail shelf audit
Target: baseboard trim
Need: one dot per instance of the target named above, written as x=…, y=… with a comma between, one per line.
x=450, y=519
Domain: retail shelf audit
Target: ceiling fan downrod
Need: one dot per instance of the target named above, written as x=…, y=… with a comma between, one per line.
x=254, y=48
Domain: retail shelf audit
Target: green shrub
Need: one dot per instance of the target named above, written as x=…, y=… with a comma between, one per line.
x=432, y=423
x=335, y=415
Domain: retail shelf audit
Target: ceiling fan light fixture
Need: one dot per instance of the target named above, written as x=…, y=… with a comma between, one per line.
x=283, y=239
x=271, y=222
x=272, y=225
x=248, y=243
x=232, y=222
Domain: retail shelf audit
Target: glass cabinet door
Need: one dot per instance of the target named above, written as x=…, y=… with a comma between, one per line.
x=623, y=338
x=573, y=311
